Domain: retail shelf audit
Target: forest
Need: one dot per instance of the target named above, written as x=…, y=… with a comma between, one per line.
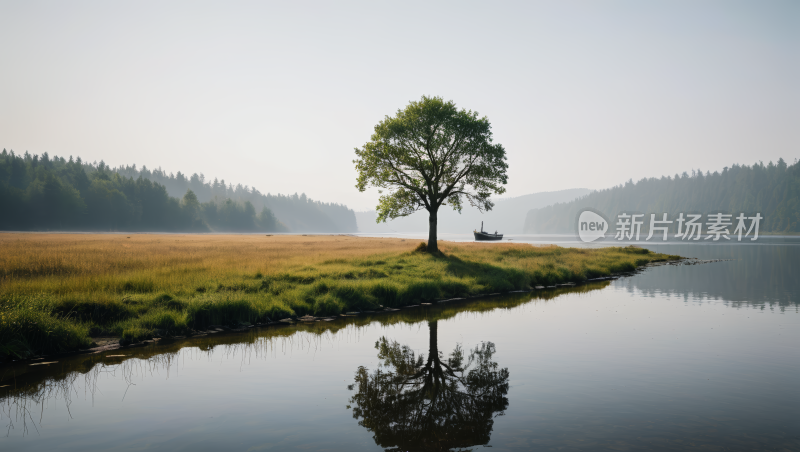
x=772, y=190
x=296, y=212
x=40, y=192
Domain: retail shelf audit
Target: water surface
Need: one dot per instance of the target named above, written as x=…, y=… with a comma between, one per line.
x=700, y=357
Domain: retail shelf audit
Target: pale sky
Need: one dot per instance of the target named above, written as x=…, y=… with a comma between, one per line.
x=277, y=94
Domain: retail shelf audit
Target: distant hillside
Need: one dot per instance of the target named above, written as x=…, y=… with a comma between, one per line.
x=53, y=193
x=297, y=212
x=773, y=190
x=508, y=215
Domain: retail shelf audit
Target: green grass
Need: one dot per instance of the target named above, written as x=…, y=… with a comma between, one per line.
x=30, y=381
x=136, y=306
x=32, y=325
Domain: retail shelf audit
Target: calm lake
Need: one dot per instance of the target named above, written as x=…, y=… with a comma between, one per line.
x=685, y=357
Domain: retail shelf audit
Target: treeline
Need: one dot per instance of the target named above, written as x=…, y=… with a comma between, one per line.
x=297, y=212
x=773, y=190
x=55, y=193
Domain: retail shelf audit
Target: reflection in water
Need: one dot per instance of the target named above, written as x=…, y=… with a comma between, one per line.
x=754, y=275
x=28, y=392
x=410, y=403
x=23, y=406
x=622, y=367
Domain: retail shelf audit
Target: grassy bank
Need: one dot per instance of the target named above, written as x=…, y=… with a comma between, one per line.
x=59, y=290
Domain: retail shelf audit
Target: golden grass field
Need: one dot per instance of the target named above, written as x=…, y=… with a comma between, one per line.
x=65, y=263
x=57, y=290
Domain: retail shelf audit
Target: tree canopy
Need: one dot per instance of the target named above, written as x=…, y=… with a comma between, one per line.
x=428, y=155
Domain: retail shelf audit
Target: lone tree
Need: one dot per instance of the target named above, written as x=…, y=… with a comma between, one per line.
x=429, y=155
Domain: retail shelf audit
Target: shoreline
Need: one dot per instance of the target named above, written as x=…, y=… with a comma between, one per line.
x=62, y=292
x=112, y=343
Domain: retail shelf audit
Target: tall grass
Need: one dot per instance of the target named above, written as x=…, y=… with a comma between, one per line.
x=31, y=325
x=58, y=289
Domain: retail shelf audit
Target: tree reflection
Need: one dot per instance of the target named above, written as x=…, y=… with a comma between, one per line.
x=411, y=403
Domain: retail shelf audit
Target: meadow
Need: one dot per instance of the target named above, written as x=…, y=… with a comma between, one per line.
x=57, y=291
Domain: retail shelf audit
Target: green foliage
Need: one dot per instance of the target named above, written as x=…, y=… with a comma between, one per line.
x=428, y=155
x=43, y=193
x=297, y=212
x=773, y=190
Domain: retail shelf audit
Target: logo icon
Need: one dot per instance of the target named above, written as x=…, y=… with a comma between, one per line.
x=591, y=226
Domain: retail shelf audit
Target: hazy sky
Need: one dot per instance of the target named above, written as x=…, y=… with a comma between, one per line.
x=277, y=94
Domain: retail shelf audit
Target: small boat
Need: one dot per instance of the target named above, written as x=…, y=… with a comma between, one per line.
x=487, y=235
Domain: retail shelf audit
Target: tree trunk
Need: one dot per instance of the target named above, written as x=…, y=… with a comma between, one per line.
x=433, y=344
x=433, y=247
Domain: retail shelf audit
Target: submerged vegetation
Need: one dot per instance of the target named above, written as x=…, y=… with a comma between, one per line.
x=59, y=290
